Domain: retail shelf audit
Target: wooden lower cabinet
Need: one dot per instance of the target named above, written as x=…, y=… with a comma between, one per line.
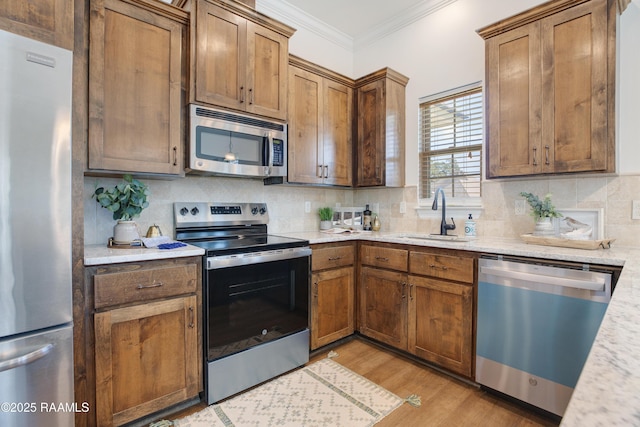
x=146, y=358
x=332, y=293
x=419, y=301
x=332, y=306
x=383, y=306
x=440, y=323
x=140, y=339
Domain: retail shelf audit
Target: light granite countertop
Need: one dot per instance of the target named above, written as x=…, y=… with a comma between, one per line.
x=101, y=254
x=608, y=391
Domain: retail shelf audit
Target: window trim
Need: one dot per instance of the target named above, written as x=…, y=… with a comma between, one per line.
x=466, y=204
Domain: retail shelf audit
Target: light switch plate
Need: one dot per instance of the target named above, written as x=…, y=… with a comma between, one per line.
x=520, y=207
x=307, y=207
x=635, y=209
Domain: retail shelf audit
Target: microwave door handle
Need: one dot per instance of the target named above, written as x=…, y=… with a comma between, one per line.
x=267, y=147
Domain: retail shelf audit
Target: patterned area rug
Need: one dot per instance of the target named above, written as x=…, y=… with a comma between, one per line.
x=321, y=394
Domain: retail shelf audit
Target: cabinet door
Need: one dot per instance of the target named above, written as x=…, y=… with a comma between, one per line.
x=135, y=90
x=48, y=21
x=337, y=134
x=514, y=90
x=267, y=53
x=332, y=306
x=383, y=309
x=305, y=127
x=371, y=126
x=146, y=359
x=440, y=323
x=574, y=110
x=220, y=57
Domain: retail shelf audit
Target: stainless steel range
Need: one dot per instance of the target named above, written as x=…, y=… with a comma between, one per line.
x=255, y=296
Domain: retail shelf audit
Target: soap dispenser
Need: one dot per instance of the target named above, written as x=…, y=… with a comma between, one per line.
x=470, y=227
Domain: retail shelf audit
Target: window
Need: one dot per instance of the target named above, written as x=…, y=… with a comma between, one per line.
x=450, y=149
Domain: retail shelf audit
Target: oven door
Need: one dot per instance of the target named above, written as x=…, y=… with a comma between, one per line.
x=255, y=298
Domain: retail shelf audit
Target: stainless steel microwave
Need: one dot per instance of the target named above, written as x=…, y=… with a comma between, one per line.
x=232, y=144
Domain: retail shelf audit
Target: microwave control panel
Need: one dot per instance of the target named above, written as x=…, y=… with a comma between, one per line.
x=278, y=152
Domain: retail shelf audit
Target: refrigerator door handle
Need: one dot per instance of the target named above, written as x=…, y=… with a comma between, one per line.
x=25, y=359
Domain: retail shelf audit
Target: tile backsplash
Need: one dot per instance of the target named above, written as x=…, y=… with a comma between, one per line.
x=613, y=194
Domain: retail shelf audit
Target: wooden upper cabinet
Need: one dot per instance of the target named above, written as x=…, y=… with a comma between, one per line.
x=550, y=93
x=48, y=21
x=136, y=86
x=239, y=59
x=379, y=153
x=320, y=130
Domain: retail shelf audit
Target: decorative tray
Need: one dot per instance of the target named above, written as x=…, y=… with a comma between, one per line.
x=136, y=244
x=567, y=243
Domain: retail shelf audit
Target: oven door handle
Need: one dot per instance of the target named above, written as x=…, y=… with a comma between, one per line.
x=226, y=261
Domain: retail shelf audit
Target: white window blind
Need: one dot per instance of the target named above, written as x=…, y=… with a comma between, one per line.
x=450, y=148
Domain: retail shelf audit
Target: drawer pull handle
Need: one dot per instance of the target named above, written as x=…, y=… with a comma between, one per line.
x=380, y=258
x=443, y=267
x=335, y=258
x=192, y=317
x=153, y=285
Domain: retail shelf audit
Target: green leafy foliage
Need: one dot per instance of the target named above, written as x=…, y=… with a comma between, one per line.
x=126, y=200
x=541, y=208
x=326, y=214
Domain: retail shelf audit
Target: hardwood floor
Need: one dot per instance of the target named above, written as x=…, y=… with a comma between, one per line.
x=446, y=401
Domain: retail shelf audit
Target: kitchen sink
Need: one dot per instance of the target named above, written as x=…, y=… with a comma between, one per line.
x=440, y=237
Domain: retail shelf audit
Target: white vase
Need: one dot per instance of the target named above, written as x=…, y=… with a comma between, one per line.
x=125, y=232
x=544, y=227
x=325, y=225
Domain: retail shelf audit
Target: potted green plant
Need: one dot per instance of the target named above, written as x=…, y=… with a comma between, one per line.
x=126, y=200
x=326, y=218
x=542, y=211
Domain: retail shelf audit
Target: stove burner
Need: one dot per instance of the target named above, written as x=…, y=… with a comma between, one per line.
x=228, y=227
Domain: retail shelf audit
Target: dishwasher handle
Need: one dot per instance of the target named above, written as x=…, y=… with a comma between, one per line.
x=589, y=285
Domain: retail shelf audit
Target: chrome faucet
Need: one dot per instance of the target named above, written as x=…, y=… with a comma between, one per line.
x=443, y=224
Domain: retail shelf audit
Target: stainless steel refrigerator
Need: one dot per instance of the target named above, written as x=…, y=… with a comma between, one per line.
x=36, y=338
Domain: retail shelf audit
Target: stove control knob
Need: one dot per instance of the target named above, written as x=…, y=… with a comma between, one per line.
x=263, y=210
x=254, y=211
x=195, y=211
x=184, y=211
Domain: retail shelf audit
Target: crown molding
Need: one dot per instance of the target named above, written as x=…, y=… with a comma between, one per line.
x=400, y=21
x=282, y=10
x=298, y=18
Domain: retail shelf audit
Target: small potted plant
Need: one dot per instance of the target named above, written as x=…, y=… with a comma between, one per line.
x=126, y=200
x=326, y=218
x=542, y=211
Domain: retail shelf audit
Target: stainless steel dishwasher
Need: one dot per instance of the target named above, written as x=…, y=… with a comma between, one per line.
x=535, y=326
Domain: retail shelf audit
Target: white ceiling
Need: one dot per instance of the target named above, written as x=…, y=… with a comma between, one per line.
x=355, y=17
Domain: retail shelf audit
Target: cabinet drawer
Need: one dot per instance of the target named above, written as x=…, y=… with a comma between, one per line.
x=442, y=266
x=394, y=259
x=144, y=285
x=331, y=257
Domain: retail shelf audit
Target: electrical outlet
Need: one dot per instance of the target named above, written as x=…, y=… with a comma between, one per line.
x=519, y=207
x=403, y=207
x=307, y=207
x=635, y=209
